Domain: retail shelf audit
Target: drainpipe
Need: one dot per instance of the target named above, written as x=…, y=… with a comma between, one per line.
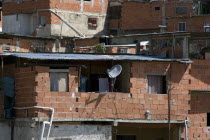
x=186, y=122
x=163, y=28
x=45, y=122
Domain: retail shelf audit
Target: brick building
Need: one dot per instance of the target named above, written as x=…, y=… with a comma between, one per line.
x=55, y=17
x=133, y=17
x=153, y=98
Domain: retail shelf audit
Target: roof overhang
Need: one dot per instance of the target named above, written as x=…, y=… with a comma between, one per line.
x=89, y=57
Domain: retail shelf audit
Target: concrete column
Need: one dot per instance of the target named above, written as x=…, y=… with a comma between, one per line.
x=185, y=48
x=138, y=47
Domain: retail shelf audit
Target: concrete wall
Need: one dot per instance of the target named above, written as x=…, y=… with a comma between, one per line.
x=73, y=12
x=29, y=131
x=81, y=132
x=17, y=24
x=80, y=22
x=5, y=130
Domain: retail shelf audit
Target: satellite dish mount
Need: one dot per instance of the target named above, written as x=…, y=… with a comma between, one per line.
x=113, y=73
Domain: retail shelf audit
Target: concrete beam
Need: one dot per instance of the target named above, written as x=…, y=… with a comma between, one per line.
x=106, y=120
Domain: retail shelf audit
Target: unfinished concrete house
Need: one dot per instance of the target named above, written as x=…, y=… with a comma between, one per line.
x=73, y=96
x=62, y=18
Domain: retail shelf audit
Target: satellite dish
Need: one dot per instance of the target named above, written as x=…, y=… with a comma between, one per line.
x=114, y=71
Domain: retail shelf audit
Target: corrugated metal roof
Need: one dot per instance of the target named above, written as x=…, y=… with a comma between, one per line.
x=88, y=57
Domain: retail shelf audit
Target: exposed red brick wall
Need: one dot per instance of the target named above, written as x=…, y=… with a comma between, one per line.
x=86, y=42
x=61, y=101
x=193, y=24
x=25, y=44
x=24, y=90
x=25, y=6
x=181, y=78
x=147, y=16
x=198, y=115
x=115, y=50
x=116, y=105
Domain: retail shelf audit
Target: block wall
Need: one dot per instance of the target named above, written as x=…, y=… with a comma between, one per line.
x=86, y=42
x=24, y=6
x=147, y=17
x=193, y=24
x=96, y=6
x=25, y=91
x=181, y=79
x=25, y=45
x=117, y=105
x=199, y=103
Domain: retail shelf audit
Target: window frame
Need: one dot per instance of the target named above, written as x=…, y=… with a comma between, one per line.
x=206, y=26
x=122, y=50
x=186, y=8
x=184, y=26
x=166, y=83
x=157, y=8
x=117, y=136
x=90, y=22
x=60, y=71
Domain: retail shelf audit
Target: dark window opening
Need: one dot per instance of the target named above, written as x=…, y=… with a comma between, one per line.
x=42, y=21
x=181, y=10
x=92, y=22
x=157, y=84
x=126, y=137
x=205, y=8
x=208, y=119
x=114, y=32
x=94, y=78
x=182, y=27
x=157, y=8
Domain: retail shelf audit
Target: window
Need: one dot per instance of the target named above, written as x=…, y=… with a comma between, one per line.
x=42, y=21
x=126, y=137
x=207, y=27
x=157, y=8
x=59, y=80
x=208, y=119
x=92, y=22
x=181, y=26
x=120, y=50
x=181, y=10
x=156, y=84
